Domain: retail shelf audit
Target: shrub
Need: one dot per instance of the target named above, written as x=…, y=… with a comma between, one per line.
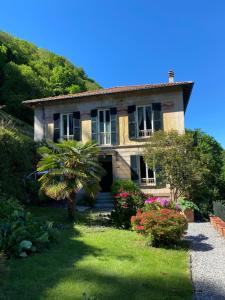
x=16, y=161
x=127, y=185
x=20, y=233
x=125, y=206
x=164, y=227
x=186, y=204
x=158, y=203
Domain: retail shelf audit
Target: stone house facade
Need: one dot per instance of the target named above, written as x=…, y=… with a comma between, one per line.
x=120, y=120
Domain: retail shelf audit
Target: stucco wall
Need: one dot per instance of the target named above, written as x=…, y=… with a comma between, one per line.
x=172, y=111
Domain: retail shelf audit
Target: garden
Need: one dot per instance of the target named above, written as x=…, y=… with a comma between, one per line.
x=138, y=249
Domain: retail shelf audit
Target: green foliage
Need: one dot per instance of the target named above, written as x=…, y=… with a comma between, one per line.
x=28, y=72
x=212, y=184
x=69, y=166
x=191, y=163
x=125, y=206
x=16, y=161
x=120, y=185
x=163, y=227
x=101, y=261
x=185, y=204
x=20, y=233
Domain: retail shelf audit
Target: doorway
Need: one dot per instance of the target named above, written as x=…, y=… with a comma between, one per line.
x=107, y=178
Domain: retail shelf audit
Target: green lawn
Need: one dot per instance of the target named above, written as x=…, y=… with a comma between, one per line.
x=102, y=262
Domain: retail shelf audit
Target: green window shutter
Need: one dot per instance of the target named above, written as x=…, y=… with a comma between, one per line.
x=94, y=125
x=157, y=116
x=56, y=130
x=134, y=167
x=113, y=117
x=132, y=122
x=76, y=126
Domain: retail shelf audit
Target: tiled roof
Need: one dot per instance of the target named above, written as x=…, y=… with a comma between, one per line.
x=186, y=85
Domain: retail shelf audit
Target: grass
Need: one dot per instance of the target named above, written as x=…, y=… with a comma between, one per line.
x=103, y=262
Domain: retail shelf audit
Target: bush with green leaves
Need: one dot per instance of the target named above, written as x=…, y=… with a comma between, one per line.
x=20, y=233
x=17, y=157
x=163, y=227
x=125, y=206
x=121, y=185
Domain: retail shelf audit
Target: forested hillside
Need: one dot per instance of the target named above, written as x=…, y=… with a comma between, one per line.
x=28, y=72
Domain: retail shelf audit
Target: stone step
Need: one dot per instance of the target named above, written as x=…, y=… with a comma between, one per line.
x=106, y=205
x=104, y=199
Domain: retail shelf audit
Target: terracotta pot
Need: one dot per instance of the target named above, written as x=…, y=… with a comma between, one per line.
x=189, y=215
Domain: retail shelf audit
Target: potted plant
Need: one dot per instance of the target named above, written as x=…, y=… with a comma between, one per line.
x=187, y=207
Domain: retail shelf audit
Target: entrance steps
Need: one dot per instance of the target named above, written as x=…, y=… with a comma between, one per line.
x=104, y=201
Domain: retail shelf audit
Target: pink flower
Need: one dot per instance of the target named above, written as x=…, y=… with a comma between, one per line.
x=151, y=200
x=124, y=195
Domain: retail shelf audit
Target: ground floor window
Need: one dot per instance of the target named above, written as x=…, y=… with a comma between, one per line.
x=140, y=171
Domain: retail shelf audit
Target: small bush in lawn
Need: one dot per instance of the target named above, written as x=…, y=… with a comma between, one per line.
x=164, y=226
x=122, y=185
x=20, y=233
x=125, y=206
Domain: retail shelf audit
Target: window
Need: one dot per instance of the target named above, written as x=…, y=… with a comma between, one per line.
x=144, y=121
x=104, y=127
x=140, y=171
x=67, y=127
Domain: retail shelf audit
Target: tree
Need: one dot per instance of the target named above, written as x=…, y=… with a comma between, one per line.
x=213, y=184
x=28, y=72
x=177, y=162
x=69, y=166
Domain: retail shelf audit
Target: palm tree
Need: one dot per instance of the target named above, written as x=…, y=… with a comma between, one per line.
x=69, y=166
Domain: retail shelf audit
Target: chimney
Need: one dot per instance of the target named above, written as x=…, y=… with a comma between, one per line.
x=171, y=76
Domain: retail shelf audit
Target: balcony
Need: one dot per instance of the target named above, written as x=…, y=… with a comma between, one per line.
x=145, y=133
x=148, y=181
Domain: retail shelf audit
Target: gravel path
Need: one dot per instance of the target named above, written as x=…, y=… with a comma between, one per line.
x=207, y=261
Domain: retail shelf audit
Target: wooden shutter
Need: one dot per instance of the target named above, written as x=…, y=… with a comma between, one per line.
x=113, y=117
x=157, y=116
x=76, y=126
x=56, y=124
x=134, y=167
x=94, y=125
x=132, y=122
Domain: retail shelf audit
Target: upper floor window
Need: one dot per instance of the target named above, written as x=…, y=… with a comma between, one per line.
x=144, y=120
x=104, y=126
x=66, y=126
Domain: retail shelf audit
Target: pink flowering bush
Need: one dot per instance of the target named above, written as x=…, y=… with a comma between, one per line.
x=125, y=206
x=158, y=203
x=164, y=227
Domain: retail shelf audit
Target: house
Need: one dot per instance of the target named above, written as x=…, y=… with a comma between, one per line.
x=120, y=120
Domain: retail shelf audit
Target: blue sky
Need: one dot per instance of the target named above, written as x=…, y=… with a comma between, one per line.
x=121, y=42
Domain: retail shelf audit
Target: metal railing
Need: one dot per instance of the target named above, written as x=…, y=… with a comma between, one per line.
x=145, y=133
x=148, y=181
